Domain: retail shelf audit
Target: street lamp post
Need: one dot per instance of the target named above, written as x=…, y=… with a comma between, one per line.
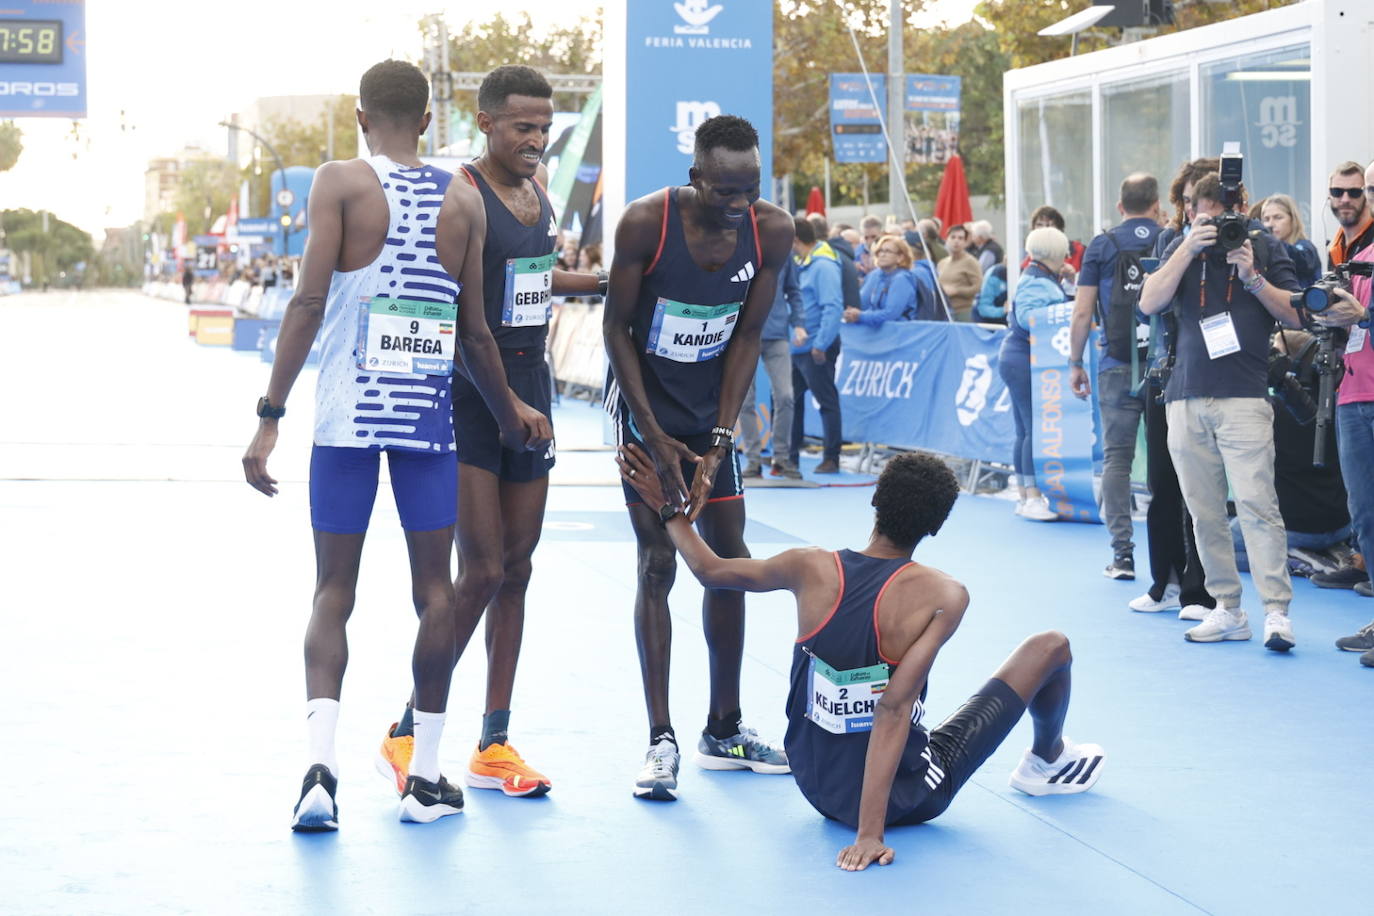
x=286, y=225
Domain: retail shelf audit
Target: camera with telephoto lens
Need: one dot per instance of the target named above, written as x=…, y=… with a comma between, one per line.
x=1232, y=228
x=1321, y=295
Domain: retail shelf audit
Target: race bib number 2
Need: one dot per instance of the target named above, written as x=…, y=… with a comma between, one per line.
x=407, y=335
x=691, y=333
x=843, y=701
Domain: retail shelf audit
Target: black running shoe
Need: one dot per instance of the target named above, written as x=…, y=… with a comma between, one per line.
x=1345, y=577
x=426, y=801
x=1122, y=567
x=316, y=811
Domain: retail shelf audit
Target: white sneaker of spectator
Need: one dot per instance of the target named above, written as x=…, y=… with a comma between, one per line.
x=1220, y=624
x=1278, y=632
x=1193, y=612
x=1147, y=605
x=1037, y=509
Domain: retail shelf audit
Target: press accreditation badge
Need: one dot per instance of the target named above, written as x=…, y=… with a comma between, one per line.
x=529, y=292
x=1357, y=337
x=406, y=335
x=1219, y=333
x=842, y=702
x=691, y=333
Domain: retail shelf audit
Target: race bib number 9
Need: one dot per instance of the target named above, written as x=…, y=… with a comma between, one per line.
x=842, y=702
x=529, y=291
x=407, y=335
x=691, y=333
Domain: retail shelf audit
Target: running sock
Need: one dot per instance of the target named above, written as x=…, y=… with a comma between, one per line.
x=725, y=727
x=429, y=728
x=321, y=718
x=494, y=727
x=658, y=732
x=406, y=726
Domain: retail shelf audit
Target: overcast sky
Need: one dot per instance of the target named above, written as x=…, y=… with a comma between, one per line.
x=162, y=73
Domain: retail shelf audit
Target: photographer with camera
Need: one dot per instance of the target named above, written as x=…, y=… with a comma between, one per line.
x=1226, y=299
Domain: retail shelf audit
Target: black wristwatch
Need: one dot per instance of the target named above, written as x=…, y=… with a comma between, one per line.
x=722, y=437
x=267, y=411
x=603, y=283
x=666, y=513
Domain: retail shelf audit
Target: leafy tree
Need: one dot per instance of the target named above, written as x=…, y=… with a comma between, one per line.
x=10, y=145
x=553, y=48
x=204, y=189
x=302, y=143
x=60, y=247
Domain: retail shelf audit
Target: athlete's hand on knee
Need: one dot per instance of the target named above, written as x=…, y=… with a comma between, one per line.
x=863, y=854
x=638, y=471
x=668, y=455
x=255, y=459
x=702, y=482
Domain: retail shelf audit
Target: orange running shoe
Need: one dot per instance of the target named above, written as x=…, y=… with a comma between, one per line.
x=500, y=766
x=393, y=760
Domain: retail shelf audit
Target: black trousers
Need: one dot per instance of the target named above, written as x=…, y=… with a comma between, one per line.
x=1169, y=527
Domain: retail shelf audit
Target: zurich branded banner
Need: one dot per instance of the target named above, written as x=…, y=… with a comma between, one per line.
x=1063, y=428
x=685, y=62
x=923, y=384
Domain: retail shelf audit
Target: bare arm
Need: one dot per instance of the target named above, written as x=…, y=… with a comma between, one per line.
x=892, y=725
x=1079, y=326
x=304, y=314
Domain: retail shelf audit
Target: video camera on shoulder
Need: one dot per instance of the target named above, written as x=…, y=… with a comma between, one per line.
x=1232, y=228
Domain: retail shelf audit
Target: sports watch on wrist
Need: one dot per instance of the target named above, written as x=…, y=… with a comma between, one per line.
x=267, y=411
x=603, y=283
x=666, y=513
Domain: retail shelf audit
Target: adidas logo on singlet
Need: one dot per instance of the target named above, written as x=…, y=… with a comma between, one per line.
x=746, y=273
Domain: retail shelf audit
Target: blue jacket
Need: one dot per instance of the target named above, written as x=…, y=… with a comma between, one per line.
x=787, y=311
x=822, y=296
x=887, y=296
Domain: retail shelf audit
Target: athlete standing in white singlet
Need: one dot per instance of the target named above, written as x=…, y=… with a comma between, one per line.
x=393, y=315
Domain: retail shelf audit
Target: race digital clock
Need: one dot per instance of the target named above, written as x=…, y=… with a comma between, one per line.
x=30, y=41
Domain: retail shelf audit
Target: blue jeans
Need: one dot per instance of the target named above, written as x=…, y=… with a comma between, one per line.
x=1014, y=367
x=1299, y=539
x=1355, y=434
x=819, y=379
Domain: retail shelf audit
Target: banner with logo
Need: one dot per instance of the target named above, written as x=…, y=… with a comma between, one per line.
x=856, y=130
x=922, y=384
x=1063, y=428
x=932, y=117
x=685, y=62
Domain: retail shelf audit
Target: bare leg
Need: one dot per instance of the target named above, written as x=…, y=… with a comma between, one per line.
x=522, y=514
x=480, y=550
x=653, y=625
x=722, y=610
x=432, y=591
x=1038, y=672
x=326, y=643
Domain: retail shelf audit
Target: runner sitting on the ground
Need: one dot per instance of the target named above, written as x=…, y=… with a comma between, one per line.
x=870, y=624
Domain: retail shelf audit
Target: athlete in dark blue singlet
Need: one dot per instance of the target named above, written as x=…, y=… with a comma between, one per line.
x=691, y=284
x=502, y=492
x=870, y=624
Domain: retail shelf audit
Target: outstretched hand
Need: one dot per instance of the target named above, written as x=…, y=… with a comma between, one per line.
x=863, y=854
x=668, y=455
x=638, y=471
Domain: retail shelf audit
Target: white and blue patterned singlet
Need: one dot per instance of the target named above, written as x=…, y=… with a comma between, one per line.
x=359, y=409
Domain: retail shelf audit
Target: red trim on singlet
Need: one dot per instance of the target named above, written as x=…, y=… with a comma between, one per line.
x=878, y=600
x=838, y=598
x=662, y=234
x=758, y=246
x=472, y=181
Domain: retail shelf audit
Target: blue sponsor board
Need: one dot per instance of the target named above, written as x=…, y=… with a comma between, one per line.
x=856, y=129
x=260, y=226
x=932, y=92
x=689, y=61
x=269, y=346
x=251, y=333
x=1063, y=427
x=43, y=59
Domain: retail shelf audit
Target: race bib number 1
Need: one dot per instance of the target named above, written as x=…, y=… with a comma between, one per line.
x=406, y=335
x=842, y=701
x=691, y=333
x=529, y=292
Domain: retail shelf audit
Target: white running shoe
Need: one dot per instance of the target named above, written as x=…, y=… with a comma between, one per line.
x=657, y=779
x=1193, y=612
x=1147, y=605
x=1076, y=770
x=1220, y=624
x=1278, y=632
x=1037, y=509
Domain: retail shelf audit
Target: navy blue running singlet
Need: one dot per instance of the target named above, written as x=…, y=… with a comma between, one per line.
x=683, y=321
x=838, y=675
x=517, y=269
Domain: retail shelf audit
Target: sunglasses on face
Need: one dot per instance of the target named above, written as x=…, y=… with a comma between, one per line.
x=1352, y=193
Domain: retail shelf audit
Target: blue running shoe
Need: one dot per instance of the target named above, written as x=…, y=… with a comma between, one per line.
x=745, y=751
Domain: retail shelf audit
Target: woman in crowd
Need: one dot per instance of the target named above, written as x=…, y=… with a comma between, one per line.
x=1279, y=213
x=889, y=290
x=1048, y=216
x=1038, y=288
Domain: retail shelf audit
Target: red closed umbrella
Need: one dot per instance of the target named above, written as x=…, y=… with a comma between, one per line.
x=815, y=202
x=952, y=205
